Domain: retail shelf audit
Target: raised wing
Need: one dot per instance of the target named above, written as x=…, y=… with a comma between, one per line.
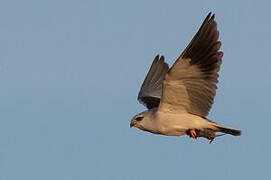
x=151, y=89
x=190, y=84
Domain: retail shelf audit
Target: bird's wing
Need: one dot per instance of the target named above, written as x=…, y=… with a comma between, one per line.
x=190, y=84
x=151, y=89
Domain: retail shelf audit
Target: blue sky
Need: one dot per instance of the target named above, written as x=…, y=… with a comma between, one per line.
x=70, y=72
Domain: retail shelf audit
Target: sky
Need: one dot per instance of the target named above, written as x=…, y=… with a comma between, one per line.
x=70, y=72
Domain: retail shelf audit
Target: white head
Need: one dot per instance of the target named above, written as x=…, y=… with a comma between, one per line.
x=143, y=120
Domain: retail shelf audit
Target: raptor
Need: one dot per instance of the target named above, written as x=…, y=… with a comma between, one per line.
x=179, y=98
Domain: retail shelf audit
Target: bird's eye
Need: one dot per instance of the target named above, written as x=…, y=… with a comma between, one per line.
x=139, y=118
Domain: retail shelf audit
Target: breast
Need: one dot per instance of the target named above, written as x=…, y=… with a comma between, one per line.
x=171, y=124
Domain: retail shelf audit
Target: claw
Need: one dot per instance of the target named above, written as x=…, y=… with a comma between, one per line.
x=211, y=140
x=193, y=134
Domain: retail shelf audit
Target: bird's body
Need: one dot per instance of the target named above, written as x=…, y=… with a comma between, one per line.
x=178, y=124
x=171, y=124
x=179, y=99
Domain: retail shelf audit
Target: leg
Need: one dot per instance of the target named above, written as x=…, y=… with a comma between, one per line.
x=192, y=133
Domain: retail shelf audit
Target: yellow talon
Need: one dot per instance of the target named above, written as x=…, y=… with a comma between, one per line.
x=192, y=133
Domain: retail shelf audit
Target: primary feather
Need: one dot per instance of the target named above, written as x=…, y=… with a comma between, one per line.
x=179, y=99
x=190, y=84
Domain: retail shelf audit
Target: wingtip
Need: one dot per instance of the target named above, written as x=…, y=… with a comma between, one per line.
x=210, y=16
x=162, y=61
x=162, y=58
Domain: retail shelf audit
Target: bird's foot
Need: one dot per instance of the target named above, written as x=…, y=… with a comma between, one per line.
x=208, y=134
x=192, y=133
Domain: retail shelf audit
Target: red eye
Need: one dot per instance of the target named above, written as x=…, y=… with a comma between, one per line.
x=139, y=118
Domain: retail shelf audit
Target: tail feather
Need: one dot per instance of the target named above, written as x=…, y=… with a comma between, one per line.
x=224, y=129
x=233, y=132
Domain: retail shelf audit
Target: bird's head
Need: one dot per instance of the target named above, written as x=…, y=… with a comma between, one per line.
x=137, y=120
x=142, y=120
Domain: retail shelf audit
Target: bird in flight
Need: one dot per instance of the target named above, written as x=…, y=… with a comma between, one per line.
x=179, y=98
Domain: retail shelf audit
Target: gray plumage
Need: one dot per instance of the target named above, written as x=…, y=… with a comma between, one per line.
x=151, y=89
x=195, y=71
x=180, y=98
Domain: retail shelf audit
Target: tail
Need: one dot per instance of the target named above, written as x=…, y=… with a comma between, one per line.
x=223, y=129
x=226, y=130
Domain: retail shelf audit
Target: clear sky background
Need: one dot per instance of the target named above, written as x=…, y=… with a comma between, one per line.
x=70, y=72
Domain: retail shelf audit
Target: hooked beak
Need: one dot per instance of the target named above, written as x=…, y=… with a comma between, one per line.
x=132, y=123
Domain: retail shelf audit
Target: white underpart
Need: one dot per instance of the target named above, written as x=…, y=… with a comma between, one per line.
x=181, y=96
x=174, y=124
